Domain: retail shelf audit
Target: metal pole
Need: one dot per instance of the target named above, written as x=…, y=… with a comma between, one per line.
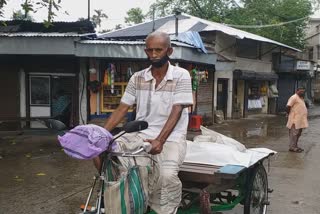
x=153, y=17
x=177, y=25
x=88, y=10
x=90, y=194
x=177, y=13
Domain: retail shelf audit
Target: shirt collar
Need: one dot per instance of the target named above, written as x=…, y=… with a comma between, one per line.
x=169, y=75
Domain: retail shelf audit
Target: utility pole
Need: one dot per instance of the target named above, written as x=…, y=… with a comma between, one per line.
x=88, y=10
x=153, y=17
x=177, y=12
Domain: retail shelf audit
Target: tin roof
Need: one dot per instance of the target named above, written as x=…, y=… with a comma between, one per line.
x=124, y=42
x=186, y=23
x=135, y=50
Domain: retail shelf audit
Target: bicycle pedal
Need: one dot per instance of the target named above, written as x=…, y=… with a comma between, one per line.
x=88, y=207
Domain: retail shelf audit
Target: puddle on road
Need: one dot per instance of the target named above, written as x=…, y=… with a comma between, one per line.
x=258, y=130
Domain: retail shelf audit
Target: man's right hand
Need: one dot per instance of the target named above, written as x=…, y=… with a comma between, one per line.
x=157, y=146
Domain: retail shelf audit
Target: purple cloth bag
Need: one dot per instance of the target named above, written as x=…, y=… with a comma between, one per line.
x=85, y=141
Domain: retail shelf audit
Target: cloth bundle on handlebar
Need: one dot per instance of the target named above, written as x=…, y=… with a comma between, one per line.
x=85, y=141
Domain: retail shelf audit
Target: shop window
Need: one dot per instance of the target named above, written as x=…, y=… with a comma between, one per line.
x=311, y=54
x=255, y=96
x=115, y=77
x=40, y=90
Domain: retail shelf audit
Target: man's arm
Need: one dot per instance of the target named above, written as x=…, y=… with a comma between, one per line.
x=110, y=124
x=157, y=144
x=288, y=109
x=116, y=116
x=290, y=103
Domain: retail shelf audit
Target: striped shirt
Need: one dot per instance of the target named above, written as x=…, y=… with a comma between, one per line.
x=154, y=105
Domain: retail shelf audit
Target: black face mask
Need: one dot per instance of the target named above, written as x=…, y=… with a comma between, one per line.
x=159, y=63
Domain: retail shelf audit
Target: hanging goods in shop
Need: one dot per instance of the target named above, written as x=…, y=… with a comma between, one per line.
x=105, y=77
x=195, y=79
x=129, y=73
x=112, y=72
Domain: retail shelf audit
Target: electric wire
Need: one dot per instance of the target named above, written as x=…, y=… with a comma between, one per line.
x=268, y=25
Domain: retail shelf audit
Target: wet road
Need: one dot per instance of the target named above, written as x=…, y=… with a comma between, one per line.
x=37, y=177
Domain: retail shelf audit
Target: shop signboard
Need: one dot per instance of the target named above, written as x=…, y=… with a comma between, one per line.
x=303, y=65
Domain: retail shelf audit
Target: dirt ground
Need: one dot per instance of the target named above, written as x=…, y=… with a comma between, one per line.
x=37, y=177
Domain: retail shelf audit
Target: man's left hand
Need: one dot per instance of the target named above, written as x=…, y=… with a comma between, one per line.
x=157, y=146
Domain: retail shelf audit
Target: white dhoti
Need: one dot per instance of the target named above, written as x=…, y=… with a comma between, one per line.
x=165, y=187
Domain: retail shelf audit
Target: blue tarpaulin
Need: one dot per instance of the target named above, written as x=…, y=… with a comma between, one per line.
x=191, y=38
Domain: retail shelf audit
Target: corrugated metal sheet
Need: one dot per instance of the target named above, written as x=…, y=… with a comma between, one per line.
x=37, y=45
x=130, y=50
x=253, y=75
x=39, y=34
x=186, y=23
x=110, y=42
x=142, y=29
x=198, y=27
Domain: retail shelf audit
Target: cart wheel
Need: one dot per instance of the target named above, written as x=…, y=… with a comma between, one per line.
x=257, y=192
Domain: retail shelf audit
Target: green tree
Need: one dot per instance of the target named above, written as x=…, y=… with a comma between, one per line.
x=249, y=12
x=105, y=31
x=284, y=21
x=53, y=6
x=98, y=17
x=134, y=16
x=19, y=15
x=2, y=4
x=118, y=27
x=27, y=7
x=206, y=9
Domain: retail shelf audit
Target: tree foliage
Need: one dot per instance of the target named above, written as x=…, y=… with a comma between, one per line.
x=53, y=6
x=249, y=12
x=118, y=27
x=264, y=12
x=134, y=16
x=27, y=7
x=98, y=17
x=207, y=9
x=2, y=4
x=19, y=15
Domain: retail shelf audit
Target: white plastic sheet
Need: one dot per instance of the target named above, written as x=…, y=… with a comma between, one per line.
x=208, y=135
x=216, y=149
x=220, y=155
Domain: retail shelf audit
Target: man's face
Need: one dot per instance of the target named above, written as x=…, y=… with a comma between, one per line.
x=300, y=92
x=157, y=48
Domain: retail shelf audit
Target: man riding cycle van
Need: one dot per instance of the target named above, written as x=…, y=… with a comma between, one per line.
x=161, y=93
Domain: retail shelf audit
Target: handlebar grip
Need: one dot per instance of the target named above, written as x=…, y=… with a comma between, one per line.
x=147, y=147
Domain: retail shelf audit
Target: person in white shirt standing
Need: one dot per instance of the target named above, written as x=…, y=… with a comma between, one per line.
x=162, y=93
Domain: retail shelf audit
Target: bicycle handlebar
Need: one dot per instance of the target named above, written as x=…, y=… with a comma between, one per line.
x=146, y=147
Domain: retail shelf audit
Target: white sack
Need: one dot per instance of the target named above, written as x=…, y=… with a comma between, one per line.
x=215, y=137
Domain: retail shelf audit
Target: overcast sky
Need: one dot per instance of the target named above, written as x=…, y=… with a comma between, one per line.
x=115, y=9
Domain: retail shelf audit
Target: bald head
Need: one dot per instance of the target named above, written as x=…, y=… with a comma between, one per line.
x=160, y=35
